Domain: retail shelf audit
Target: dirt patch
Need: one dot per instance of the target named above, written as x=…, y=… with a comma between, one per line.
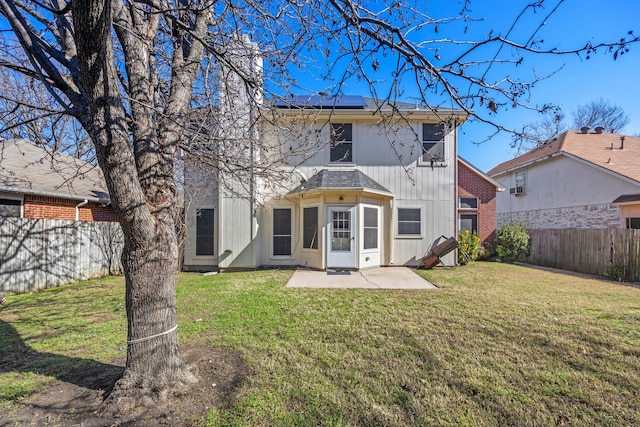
x=73, y=401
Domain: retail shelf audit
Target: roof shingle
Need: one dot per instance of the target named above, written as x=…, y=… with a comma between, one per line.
x=605, y=150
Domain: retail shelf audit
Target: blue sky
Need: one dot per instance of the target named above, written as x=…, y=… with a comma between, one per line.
x=577, y=82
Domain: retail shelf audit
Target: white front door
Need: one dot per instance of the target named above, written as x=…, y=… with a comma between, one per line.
x=341, y=227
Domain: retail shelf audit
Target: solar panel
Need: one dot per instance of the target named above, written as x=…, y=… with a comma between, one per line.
x=321, y=102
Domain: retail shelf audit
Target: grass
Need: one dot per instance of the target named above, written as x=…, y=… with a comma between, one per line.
x=496, y=345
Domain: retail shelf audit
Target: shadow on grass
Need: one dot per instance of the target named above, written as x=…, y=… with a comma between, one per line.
x=16, y=356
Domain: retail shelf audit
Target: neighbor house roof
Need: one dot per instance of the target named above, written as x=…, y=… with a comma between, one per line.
x=614, y=152
x=340, y=179
x=627, y=198
x=26, y=168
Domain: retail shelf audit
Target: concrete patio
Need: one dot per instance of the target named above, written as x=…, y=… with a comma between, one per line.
x=373, y=278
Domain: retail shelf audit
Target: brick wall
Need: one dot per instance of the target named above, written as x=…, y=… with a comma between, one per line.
x=583, y=217
x=42, y=207
x=472, y=185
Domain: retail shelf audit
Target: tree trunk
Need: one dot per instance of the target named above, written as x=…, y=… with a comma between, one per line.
x=154, y=365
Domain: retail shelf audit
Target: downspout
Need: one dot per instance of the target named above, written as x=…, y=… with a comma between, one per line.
x=78, y=206
x=392, y=240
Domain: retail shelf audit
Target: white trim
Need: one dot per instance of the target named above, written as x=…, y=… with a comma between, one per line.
x=397, y=221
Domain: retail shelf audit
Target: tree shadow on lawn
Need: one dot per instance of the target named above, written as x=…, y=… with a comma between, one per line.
x=83, y=384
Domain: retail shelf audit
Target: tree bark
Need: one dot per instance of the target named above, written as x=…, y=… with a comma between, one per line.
x=154, y=366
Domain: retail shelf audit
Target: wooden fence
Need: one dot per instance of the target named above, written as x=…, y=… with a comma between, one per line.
x=612, y=253
x=37, y=254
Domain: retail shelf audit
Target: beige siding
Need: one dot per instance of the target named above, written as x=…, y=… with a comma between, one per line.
x=563, y=192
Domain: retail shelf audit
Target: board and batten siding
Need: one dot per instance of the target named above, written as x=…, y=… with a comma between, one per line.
x=38, y=254
x=393, y=163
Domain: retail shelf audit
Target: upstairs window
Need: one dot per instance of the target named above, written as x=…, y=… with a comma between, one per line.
x=341, y=142
x=433, y=149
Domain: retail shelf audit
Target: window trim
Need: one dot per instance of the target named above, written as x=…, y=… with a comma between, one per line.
x=472, y=209
x=398, y=235
x=443, y=141
x=273, y=235
x=214, y=235
x=332, y=143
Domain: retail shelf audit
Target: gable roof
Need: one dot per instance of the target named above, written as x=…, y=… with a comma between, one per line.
x=29, y=169
x=481, y=174
x=603, y=150
x=340, y=179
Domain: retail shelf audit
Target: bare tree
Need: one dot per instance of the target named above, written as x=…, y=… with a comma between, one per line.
x=596, y=113
x=130, y=73
x=600, y=112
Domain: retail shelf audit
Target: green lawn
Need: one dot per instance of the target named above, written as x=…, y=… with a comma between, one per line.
x=496, y=345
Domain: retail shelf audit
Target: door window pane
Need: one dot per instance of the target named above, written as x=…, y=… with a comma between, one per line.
x=341, y=231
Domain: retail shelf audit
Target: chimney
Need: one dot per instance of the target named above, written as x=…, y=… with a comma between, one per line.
x=622, y=142
x=599, y=129
x=584, y=129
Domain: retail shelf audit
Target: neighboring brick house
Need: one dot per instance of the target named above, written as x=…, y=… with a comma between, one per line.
x=38, y=183
x=477, y=201
x=580, y=179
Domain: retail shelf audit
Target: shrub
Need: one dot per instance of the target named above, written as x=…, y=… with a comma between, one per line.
x=469, y=246
x=513, y=242
x=487, y=251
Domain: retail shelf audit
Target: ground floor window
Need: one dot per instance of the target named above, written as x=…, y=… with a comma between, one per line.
x=10, y=207
x=310, y=228
x=409, y=222
x=282, y=232
x=633, y=223
x=469, y=222
x=205, y=232
x=370, y=221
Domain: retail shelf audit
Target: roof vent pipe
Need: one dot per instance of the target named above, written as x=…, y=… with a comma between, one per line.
x=622, y=142
x=599, y=129
x=584, y=129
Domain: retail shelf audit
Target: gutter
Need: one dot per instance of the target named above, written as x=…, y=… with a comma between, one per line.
x=53, y=194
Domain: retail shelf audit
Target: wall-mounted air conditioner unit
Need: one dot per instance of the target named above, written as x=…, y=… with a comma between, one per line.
x=517, y=191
